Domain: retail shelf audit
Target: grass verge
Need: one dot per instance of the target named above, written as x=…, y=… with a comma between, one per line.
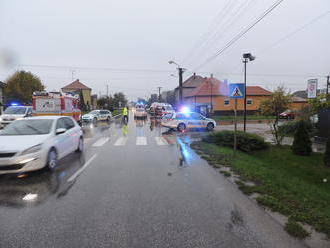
x=239, y=117
x=289, y=184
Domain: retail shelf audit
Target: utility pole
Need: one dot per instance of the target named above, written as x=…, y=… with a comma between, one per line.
x=245, y=62
x=246, y=57
x=72, y=74
x=159, y=88
x=107, y=90
x=180, y=69
x=328, y=84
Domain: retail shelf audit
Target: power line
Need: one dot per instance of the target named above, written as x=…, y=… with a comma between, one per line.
x=225, y=25
x=96, y=68
x=295, y=31
x=242, y=33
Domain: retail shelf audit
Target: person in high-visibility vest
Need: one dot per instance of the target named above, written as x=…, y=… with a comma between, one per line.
x=125, y=114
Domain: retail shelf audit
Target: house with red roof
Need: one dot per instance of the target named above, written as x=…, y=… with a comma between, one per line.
x=213, y=94
x=81, y=89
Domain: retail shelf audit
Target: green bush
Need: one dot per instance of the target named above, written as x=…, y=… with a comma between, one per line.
x=302, y=144
x=116, y=112
x=246, y=142
x=289, y=128
x=327, y=154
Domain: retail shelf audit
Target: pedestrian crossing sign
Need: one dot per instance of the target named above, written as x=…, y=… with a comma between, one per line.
x=236, y=90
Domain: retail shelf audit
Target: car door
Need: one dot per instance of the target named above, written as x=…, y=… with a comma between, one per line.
x=73, y=135
x=197, y=120
x=62, y=141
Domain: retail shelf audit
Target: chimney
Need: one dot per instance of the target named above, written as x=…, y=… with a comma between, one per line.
x=194, y=75
x=211, y=75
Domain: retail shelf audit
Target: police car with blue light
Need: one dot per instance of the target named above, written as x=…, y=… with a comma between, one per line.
x=185, y=119
x=14, y=112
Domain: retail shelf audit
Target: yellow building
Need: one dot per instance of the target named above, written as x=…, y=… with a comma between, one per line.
x=81, y=89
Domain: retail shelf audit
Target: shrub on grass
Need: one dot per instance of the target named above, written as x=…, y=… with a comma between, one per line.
x=246, y=142
x=289, y=128
x=302, y=144
x=295, y=229
x=327, y=154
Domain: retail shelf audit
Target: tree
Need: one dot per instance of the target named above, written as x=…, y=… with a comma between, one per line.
x=119, y=100
x=278, y=102
x=319, y=103
x=327, y=154
x=153, y=98
x=170, y=97
x=21, y=85
x=302, y=144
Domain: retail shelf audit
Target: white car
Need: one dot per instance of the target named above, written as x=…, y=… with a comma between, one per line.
x=182, y=121
x=13, y=113
x=140, y=113
x=37, y=142
x=97, y=115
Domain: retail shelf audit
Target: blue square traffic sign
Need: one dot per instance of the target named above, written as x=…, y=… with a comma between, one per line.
x=236, y=90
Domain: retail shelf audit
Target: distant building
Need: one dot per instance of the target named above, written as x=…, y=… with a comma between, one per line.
x=188, y=86
x=2, y=85
x=212, y=96
x=297, y=103
x=81, y=89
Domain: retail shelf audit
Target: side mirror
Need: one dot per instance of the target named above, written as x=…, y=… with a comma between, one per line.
x=60, y=131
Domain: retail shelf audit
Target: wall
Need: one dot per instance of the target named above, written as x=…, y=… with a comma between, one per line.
x=87, y=97
x=219, y=103
x=298, y=105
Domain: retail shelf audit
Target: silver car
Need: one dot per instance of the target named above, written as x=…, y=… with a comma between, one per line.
x=37, y=142
x=182, y=121
x=13, y=113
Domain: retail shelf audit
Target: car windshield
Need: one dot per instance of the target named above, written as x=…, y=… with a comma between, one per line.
x=28, y=127
x=15, y=110
x=94, y=112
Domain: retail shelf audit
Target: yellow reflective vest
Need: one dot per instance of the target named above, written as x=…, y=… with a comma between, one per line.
x=125, y=111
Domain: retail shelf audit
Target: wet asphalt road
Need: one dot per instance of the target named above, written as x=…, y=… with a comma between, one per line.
x=134, y=186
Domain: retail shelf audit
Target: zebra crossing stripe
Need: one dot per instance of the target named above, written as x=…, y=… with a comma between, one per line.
x=161, y=141
x=101, y=142
x=141, y=141
x=121, y=141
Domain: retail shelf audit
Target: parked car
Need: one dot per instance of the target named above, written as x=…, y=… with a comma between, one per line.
x=13, y=113
x=140, y=113
x=288, y=114
x=97, y=115
x=182, y=121
x=37, y=142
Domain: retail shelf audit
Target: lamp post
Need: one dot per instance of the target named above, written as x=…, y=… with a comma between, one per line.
x=180, y=70
x=246, y=57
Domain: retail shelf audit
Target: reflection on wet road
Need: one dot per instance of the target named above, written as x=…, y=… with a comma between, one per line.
x=135, y=185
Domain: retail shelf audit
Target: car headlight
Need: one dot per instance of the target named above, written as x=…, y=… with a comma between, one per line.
x=32, y=149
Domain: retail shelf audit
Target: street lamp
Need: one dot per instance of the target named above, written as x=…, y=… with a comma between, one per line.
x=246, y=57
x=180, y=70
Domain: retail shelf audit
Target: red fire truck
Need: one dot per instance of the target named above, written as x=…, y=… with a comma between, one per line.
x=56, y=103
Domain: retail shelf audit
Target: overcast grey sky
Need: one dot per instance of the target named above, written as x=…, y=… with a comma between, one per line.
x=134, y=40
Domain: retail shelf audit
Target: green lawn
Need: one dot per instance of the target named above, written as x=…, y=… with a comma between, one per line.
x=241, y=117
x=290, y=184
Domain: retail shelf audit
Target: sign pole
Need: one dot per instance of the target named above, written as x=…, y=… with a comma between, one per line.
x=235, y=128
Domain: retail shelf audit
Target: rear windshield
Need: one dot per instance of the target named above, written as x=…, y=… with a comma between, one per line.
x=15, y=110
x=28, y=127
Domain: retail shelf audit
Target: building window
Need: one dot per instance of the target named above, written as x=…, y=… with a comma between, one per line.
x=227, y=102
x=249, y=102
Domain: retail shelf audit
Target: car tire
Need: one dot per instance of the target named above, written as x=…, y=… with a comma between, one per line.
x=80, y=145
x=108, y=119
x=52, y=160
x=181, y=127
x=210, y=127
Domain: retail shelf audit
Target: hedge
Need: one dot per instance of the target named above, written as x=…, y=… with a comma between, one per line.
x=246, y=142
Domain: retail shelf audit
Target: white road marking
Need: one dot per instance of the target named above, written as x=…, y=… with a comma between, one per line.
x=141, y=141
x=87, y=140
x=101, y=141
x=121, y=141
x=161, y=141
x=77, y=173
